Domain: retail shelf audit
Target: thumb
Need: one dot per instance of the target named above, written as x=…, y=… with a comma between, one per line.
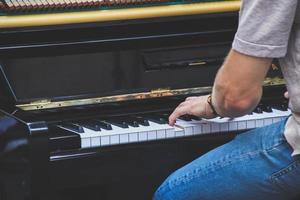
x=286, y=94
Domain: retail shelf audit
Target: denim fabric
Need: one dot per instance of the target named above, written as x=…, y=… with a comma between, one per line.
x=256, y=165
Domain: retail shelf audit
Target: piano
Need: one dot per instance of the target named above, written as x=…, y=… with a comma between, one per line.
x=87, y=86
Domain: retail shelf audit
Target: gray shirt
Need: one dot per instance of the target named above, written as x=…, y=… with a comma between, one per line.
x=271, y=29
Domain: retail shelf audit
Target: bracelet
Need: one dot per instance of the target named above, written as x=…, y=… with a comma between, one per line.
x=209, y=101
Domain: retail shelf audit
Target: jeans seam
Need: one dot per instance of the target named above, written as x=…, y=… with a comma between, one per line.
x=219, y=165
x=286, y=170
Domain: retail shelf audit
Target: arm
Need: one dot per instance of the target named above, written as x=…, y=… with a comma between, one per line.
x=263, y=33
x=236, y=91
x=238, y=84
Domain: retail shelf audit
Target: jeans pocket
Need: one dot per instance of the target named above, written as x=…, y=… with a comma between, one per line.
x=288, y=179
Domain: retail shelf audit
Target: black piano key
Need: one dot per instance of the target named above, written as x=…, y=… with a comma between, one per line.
x=131, y=122
x=266, y=108
x=195, y=117
x=282, y=107
x=103, y=124
x=155, y=118
x=164, y=116
x=140, y=120
x=117, y=122
x=74, y=127
x=258, y=110
x=189, y=117
x=134, y=124
x=185, y=118
x=90, y=125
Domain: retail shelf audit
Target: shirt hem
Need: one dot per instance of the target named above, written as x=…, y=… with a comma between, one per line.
x=257, y=50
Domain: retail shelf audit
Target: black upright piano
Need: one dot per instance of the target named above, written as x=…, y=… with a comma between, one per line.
x=87, y=87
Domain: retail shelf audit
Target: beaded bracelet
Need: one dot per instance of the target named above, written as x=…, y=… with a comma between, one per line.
x=209, y=101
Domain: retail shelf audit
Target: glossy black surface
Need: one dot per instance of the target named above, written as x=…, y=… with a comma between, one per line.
x=90, y=124
x=13, y=134
x=15, y=166
x=128, y=57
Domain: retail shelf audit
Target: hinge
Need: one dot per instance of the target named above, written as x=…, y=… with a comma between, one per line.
x=40, y=104
x=160, y=92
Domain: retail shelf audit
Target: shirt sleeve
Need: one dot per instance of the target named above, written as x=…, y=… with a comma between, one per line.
x=264, y=27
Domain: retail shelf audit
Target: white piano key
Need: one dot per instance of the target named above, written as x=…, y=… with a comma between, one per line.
x=268, y=121
x=170, y=133
x=215, y=127
x=179, y=132
x=115, y=139
x=242, y=125
x=282, y=113
x=224, y=126
x=197, y=129
x=170, y=130
x=161, y=134
x=259, y=123
x=142, y=136
x=276, y=119
x=94, y=137
x=252, y=116
x=151, y=135
x=85, y=142
x=188, y=131
x=250, y=124
x=95, y=141
x=133, y=137
x=105, y=140
x=124, y=138
x=188, y=127
x=218, y=119
x=206, y=127
x=233, y=126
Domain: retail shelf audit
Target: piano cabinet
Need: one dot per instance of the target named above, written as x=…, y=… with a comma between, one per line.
x=83, y=106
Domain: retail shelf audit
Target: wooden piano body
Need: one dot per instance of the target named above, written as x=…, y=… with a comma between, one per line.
x=66, y=68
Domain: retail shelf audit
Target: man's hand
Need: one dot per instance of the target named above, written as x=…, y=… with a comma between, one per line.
x=237, y=89
x=196, y=106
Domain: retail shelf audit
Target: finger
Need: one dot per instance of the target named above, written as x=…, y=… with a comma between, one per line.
x=286, y=94
x=190, y=98
x=179, y=111
x=181, y=104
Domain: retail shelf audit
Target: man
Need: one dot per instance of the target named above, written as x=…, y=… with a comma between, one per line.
x=262, y=163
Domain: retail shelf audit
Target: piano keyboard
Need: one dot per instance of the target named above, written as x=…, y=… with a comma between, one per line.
x=133, y=129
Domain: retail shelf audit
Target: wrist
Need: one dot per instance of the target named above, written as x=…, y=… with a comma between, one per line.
x=211, y=109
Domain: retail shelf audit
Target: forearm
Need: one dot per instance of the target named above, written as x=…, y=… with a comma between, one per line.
x=238, y=85
x=227, y=104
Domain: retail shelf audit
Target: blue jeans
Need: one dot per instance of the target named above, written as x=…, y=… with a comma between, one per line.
x=256, y=165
